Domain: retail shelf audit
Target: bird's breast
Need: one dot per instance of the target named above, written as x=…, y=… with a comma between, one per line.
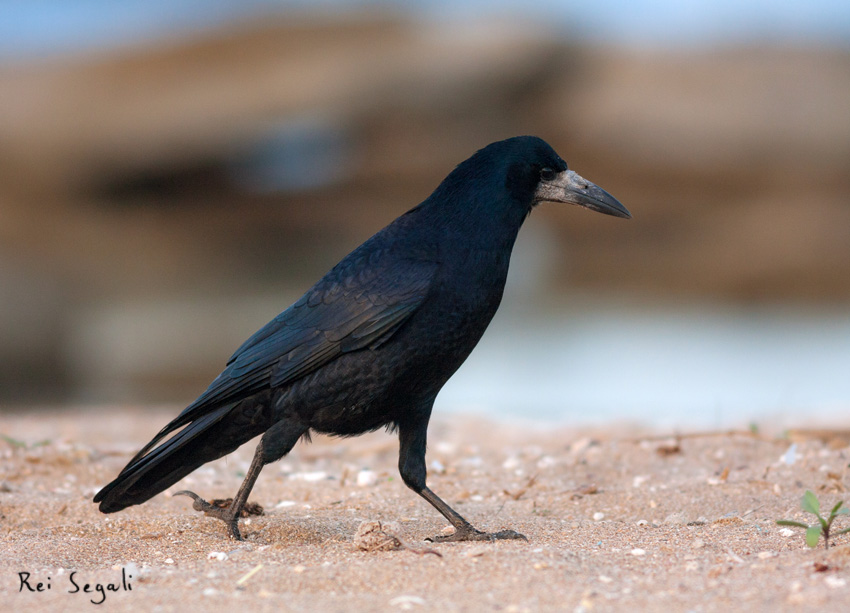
x=475, y=280
x=459, y=307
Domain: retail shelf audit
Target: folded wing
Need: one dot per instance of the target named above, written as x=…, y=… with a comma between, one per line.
x=357, y=305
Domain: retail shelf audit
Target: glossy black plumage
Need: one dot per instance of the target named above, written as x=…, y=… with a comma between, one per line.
x=372, y=343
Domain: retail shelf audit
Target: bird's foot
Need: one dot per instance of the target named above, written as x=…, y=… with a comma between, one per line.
x=223, y=509
x=471, y=534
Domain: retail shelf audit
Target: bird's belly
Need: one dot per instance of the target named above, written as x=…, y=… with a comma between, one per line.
x=355, y=393
x=368, y=389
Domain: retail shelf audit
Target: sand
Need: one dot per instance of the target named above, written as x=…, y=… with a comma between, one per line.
x=617, y=518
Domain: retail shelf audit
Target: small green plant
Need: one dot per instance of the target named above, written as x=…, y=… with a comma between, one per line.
x=811, y=504
x=19, y=444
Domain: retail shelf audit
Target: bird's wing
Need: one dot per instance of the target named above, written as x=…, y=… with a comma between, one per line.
x=357, y=305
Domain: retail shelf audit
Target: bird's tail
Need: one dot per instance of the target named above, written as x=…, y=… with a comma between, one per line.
x=207, y=438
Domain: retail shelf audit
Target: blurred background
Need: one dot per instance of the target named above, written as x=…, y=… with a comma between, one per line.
x=173, y=174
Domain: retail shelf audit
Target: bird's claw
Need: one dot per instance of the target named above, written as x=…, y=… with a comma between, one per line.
x=471, y=534
x=220, y=509
x=202, y=505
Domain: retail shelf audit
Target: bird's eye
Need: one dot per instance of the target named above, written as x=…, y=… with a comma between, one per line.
x=547, y=174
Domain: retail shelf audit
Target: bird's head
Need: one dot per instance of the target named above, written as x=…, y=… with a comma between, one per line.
x=493, y=191
x=537, y=174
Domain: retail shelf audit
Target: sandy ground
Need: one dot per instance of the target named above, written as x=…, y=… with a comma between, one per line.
x=617, y=518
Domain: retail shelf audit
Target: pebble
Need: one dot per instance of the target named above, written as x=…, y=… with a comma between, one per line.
x=638, y=552
x=511, y=463
x=835, y=582
x=598, y=516
x=676, y=519
x=581, y=445
x=790, y=456
x=639, y=480
x=367, y=478
x=406, y=602
x=131, y=570
x=445, y=448
x=546, y=461
x=310, y=476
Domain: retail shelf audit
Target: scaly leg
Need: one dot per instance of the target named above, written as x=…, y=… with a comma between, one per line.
x=411, y=465
x=276, y=443
x=231, y=513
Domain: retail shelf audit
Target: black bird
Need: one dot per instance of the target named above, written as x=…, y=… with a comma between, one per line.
x=371, y=344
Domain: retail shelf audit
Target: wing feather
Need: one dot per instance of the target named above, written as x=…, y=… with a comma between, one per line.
x=358, y=305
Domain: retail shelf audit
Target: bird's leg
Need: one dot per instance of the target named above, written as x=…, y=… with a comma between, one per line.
x=276, y=443
x=411, y=465
x=230, y=513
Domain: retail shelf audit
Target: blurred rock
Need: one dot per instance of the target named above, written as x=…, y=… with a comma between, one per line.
x=153, y=185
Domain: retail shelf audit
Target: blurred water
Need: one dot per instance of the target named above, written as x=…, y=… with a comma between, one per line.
x=62, y=26
x=673, y=365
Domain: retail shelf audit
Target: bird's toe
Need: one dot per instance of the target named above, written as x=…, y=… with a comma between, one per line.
x=477, y=535
x=200, y=504
x=223, y=509
x=507, y=535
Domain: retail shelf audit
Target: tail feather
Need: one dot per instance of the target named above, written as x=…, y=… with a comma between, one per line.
x=205, y=439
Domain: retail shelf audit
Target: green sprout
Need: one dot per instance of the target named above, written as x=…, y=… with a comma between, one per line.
x=19, y=444
x=811, y=504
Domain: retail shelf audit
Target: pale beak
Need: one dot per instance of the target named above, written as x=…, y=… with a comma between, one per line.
x=570, y=188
